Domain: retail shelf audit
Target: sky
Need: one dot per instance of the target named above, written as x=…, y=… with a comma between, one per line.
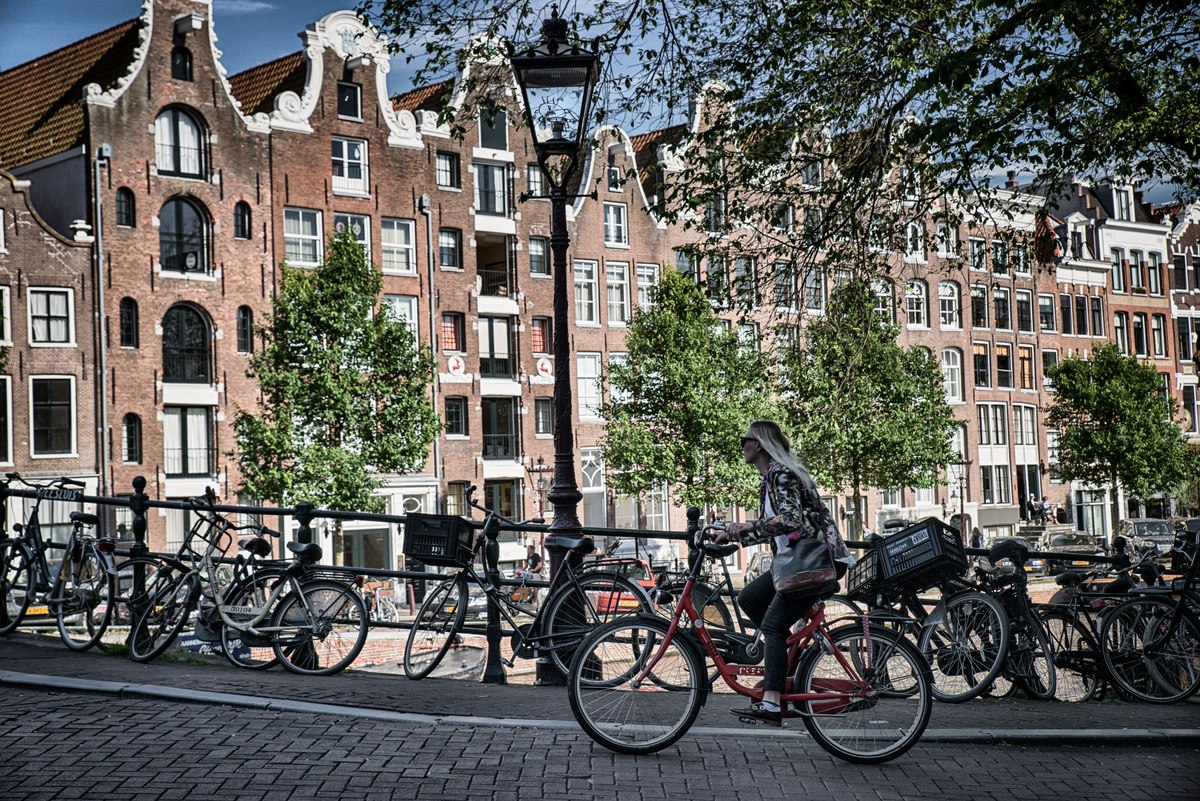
x=249, y=32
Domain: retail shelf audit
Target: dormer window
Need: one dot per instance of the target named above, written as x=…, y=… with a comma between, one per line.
x=1124, y=204
x=349, y=100
x=178, y=142
x=493, y=130
x=181, y=64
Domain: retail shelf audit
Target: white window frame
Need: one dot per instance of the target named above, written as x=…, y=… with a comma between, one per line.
x=1024, y=429
x=348, y=221
x=177, y=417
x=393, y=231
x=1053, y=313
x=949, y=306
x=356, y=117
x=586, y=291
x=613, y=394
x=977, y=253
x=3, y=246
x=6, y=311
x=616, y=277
x=588, y=388
x=456, y=235
x=453, y=176
x=543, y=249
x=344, y=163
x=616, y=225
x=46, y=291
x=647, y=282
x=299, y=217
x=74, y=417
x=1154, y=273
x=914, y=241
x=947, y=240
x=6, y=457
x=814, y=289
x=952, y=375
x=535, y=181
x=1158, y=335
x=1117, y=256
x=1033, y=323
x=499, y=174
x=404, y=308
x=916, y=303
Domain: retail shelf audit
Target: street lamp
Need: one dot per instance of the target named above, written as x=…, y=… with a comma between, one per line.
x=556, y=81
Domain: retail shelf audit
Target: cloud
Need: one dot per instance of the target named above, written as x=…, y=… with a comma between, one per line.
x=232, y=7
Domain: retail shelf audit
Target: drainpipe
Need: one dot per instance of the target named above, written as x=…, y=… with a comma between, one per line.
x=424, y=205
x=103, y=153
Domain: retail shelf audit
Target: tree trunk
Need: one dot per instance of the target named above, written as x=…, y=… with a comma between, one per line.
x=1116, y=511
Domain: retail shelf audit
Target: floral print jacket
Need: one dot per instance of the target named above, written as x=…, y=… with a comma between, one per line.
x=798, y=512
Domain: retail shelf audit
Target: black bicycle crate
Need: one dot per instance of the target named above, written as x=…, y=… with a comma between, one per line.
x=443, y=540
x=862, y=579
x=922, y=555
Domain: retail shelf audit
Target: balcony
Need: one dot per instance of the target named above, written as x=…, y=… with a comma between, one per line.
x=495, y=280
x=499, y=446
x=497, y=366
x=187, y=366
x=191, y=462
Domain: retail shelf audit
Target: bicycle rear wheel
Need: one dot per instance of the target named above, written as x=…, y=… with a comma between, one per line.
x=164, y=616
x=884, y=694
x=16, y=585
x=1076, y=658
x=438, y=622
x=623, y=705
x=965, y=646
x=1145, y=658
x=575, y=611
x=1032, y=661
x=86, y=591
x=321, y=629
x=242, y=648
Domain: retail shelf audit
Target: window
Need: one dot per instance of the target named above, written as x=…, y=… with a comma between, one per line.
x=1025, y=366
x=539, y=263
x=1025, y=311
x=999, y=257
x=1137, y=281
x=1076, y=244
x=1124, y=204
x=1158, y=329
x=615, y=179
x=399, y=246
x=1068, y=318
x=181, y=64
x=979, y=307
x=454, y=332
x=1046, y=312
x=585, y=292
x=302, y=245
x=715, y=281
x=1097, y=317
x=747, y=334
x=126, y=208
x=245, y=329
x=178, y=144
x=52, y=399
x=1004, y=366
x=535, y=180
x=5, y=308
x=647, y=284
x=350, y=166
x=814, y=226
x=51, y=317
x=449, y=174
x=714, y=214
x=187, y=438
x=1184, y=347
x=1118, y=270
x=617, y=277
x=949, y=305
x=543, y=416
x=1049, y=362
x=883, y=297
x=814, y=289
x=782, y=216
x=916, y=304
x=1179, y=277
x=686, y=265
x=1081, y=315
x=810, y=173
x=785, y=286
x=745, y=281
x=617, y=395
x=1189, y=410
x=6, y=455
x=1139, y=334
x=359, y=228
x=493, y=129
x=993, y=423
x=495, y=347
x=450, y=248
x=587, y=369
x=952, y=375
x=978, y=253
x=456, y=498
x=947, y=240
x=182, y=237
x=1154, y=282
x=404, y=309
x=456, y=417
x=541, y=334
x=187, y=346
x=241, y=220
x=1024, y=425
x=983, y=364
x=349, y=100
x=615, y=231
x=1003, y=308
x=1020, y=259
x=491, y=189
x=995, y=484
x=128, y=326
x=1121, y=331
x=131, y=439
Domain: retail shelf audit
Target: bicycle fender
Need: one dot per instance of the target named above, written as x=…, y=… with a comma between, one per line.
x=937, y=615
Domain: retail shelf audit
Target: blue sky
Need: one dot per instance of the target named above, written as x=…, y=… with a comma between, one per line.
x=249, y=32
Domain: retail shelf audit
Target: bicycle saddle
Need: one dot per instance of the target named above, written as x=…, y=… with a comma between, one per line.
x=583, y=545
x=84, y=518
x=721, y=551
x=307, y=552
x=1016, y=551
x=257, y=546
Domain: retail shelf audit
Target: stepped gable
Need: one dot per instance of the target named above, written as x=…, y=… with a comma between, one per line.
x=423, y=98
x=41, y=101
x=257, y=87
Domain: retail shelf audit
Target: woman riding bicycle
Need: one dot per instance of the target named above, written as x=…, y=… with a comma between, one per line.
x=790, y=509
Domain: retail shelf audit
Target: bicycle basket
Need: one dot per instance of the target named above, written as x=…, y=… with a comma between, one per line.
x=443, y=540
x=864, y=581
x=922, y=555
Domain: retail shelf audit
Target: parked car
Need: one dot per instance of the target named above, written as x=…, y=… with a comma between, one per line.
x=1070, y=545
x=638, y=570
x=760, y=563
x=1145, y=531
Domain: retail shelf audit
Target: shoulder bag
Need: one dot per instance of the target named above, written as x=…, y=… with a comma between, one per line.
x=802, y=566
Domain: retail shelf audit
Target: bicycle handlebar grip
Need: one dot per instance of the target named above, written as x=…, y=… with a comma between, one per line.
x=12, y=476
x=72, y=482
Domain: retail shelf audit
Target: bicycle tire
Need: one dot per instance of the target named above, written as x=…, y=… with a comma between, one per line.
x=570, y=616
x=1035, y=671
x=624, y=710
x=839, y=609
x=887, y=716
x=127, y=606
x=711, y=605
x=966, y=647
x=238, y=648
x=325, y=641
x=16, y=585
x=1166, y=675
x=165, y=615
x=91, y=588
x=438, y=622
x=1076, y=658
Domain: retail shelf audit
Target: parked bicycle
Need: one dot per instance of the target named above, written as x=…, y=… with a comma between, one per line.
x=578, y=599
x=76, y=589
x=637, y=684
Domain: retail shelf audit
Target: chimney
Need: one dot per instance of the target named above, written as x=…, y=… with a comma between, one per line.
x=1011, y=183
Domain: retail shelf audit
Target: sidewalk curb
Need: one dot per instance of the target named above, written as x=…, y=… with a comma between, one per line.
x=1089, y=737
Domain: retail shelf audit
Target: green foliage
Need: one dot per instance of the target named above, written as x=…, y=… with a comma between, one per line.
x=682, y=400
x=867, y=412
x=1115, y=425
x=345, y=390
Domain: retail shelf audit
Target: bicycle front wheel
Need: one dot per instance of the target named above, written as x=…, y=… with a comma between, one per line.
x=1146, y=657
x=965, y=647
x=83, y=607
x=633, y=691
x=1031, y=661
x=164, y=616
x=16, y=585
x=1076, y=658
x=577, y=609
x=243, y=648
x=321, y=629
x=881, y=694
x=438, y=622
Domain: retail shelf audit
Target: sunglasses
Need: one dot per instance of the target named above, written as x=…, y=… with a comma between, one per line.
x=748, y=439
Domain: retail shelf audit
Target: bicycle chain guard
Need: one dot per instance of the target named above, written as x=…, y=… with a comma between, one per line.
x=520, y=643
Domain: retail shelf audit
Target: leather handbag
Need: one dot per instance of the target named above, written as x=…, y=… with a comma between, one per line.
x=803, y=565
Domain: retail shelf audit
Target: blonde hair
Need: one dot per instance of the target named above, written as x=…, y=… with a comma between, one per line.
x=772, y=439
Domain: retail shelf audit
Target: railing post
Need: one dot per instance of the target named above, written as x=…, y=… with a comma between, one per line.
x=139, y=502
x=4, y=510
x=493, y=672
x=304, y=516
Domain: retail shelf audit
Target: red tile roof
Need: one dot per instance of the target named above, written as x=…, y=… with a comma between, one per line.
x=41, y=101
x=257, y=87
x=645, y=146
x=423, y=98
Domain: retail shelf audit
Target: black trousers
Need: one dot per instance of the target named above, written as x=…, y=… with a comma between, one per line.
x=774, y=615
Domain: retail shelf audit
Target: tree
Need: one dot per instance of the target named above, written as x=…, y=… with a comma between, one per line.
x=867, y=412
x=1116, y=427
x=681, y=401
x=345, y=390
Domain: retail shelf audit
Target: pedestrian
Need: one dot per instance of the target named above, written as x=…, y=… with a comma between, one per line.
x=1031, y=509
x=790, y=508
x=1047, y=510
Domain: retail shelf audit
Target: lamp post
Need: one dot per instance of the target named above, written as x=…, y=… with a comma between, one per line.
x=539, y=479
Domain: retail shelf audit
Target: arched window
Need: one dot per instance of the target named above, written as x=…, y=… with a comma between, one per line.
x=181, y=64
x=949, y=305
x=131, y=439
x=129, y=323
x=916, y=304
x=179, y=144
x=952, y=377
x=241, y=220
x=125, y=208
x=182, y=237
x=245, y=329
x=187, y=347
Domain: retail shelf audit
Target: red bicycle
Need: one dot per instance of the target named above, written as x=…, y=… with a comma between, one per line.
x=637, y=684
